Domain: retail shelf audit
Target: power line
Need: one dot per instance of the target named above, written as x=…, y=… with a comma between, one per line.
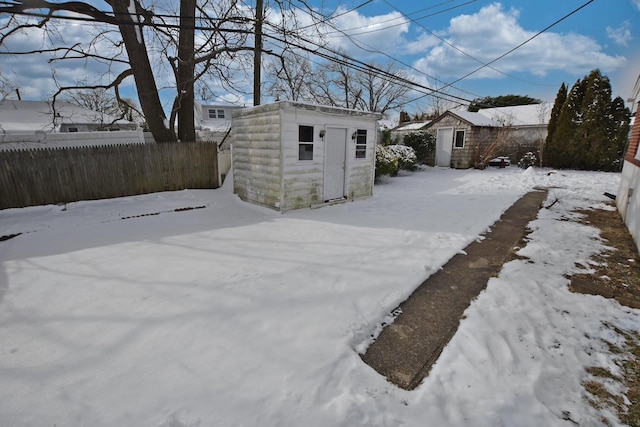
x=524, y=42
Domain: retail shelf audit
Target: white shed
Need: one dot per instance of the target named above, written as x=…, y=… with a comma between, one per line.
x=290, y=155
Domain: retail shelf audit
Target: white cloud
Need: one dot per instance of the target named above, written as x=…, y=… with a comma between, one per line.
x=622, y=34
x=494, y=31
x=422, y=43
x=636, y=3
x=374, y=33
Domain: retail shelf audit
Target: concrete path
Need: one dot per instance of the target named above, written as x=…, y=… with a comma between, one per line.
x=406, y=349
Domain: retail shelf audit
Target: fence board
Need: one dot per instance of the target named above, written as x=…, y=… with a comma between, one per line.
x=62, y=175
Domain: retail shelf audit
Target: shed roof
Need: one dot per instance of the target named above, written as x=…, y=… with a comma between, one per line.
x=282, y=105
x=21, y=116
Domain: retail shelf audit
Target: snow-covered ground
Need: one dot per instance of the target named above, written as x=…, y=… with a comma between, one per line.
x=230, y=314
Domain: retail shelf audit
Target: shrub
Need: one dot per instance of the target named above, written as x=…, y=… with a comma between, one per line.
x=386, y=161
x=529, y=159
x=423, y=144
x=406, y=157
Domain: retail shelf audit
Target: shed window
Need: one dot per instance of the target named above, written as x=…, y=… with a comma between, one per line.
x=73, y=129
x=459, y=143
x=305, y=152
x=305, y=137
x=361, y=143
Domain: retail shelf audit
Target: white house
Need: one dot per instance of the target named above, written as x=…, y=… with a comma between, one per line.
x=627, y=199
x=30, y=116
x=290, y=155
x=213, y=121
x=29, y=124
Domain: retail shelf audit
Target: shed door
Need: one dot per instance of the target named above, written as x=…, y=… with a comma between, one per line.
x=335, y=155
x=444, y=142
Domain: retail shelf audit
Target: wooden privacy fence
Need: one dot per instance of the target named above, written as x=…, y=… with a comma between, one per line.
x=61, y=175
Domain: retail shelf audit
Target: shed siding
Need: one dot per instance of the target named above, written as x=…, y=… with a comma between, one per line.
x=267, y=168
x=304, y=180
x=256, y=158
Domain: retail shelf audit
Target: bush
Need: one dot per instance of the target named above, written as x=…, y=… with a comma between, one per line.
x=392, y=158
x=423, y=144
x=386, y=161
x=406, y=157
x=529, y=159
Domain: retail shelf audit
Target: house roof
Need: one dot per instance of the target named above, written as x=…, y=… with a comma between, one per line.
x=520, y=115
x=31, y=116
x=403, y=127
x=476, y=119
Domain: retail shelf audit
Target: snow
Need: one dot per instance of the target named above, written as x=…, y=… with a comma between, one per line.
x=192, y=308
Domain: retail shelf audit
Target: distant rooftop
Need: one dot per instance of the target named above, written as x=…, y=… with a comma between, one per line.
x=20, y=116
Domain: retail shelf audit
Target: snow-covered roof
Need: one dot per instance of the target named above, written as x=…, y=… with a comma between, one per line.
x=475, y=119
x=412, y=126
x=21, y=116
x=520, y=115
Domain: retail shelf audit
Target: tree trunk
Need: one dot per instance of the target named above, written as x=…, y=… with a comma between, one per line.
x=186, y=71
x=132, y=35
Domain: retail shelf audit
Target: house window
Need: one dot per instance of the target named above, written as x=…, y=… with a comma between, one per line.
x=73, y=129
x=305, y=137
x=216, y=114
x=361, y=143
x=459, y=142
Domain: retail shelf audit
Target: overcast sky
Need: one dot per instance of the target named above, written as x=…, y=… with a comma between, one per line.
x=437, y=42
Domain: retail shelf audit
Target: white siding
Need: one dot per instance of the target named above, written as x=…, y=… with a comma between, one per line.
x=267, y=169
x=256, y=157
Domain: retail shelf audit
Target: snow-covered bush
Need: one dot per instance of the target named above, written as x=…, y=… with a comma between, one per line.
x=529, y=159
x=406, y=156
x=391, y=158
x=386, y=161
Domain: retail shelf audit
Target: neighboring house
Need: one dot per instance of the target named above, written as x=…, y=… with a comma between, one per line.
x=627, y=199
x=290, y=155
x=35, y=124
x=213, y=121
x=399, y=132
x=462, y=135
x=32, y=116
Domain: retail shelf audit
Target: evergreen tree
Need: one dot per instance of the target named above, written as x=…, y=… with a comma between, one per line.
x=566, y=134
x=550, y=149
x=590, y=131
x=501, y=101
x=618, y=132
x=593, y=141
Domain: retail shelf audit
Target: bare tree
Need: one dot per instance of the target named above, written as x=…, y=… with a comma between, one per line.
x=374, y=88
x=105, y=103
x=221, y=26
x=7, y=87
x=291, y=76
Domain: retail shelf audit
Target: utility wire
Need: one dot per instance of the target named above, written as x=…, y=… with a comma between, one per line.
x=524, y=42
